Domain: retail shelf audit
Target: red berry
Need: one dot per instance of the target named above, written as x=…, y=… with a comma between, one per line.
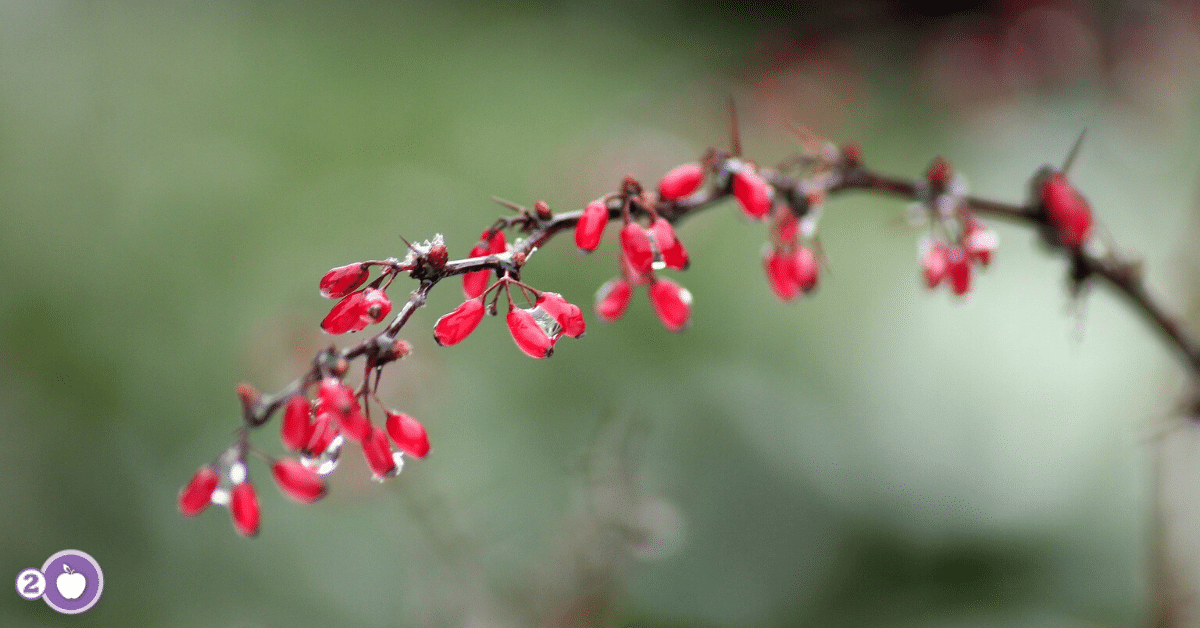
x=530, y=336
x=752, y=192
x=852, y=154
x=672, y=303
x=376, y=305
x=805, y=268
x=1069, y=211
x=612, y=298
x=295, y=427
x=378, y=452
x=409, y=434
x=680, y=182
x=781, y=274
x=958, y=269
x=454, y=327
x=590, y=228
x=638, y=250
x=343, y=280
x=298, y=481
x=243, y=505
x=354, y=424
x=939, y=173
x=669, y=247
x=979, y=242
x=935, y=262
x=475, y=282
x=324, y=431
x=350, y=314
x=567, y=315
x=197, y=495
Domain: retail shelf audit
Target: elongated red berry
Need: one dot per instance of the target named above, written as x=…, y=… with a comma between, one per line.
x=343, y=280
x=334, y=397
x=296, y=427
x=780, y=274
x=350, y=314
x=958, y=270
x=409, y=434
x=752, y=192
x=354, y=423
x=670, y=248
x=197, y=494
x=612, y=299
x=377, y=449
x=475, y=282
x=590, y=228
x=681, y=181
x=935, y=263
x=376, y=305
x=243, y=506
x=672, y=303
x=806, y=268
x=528, y=334
x=454, y=327
x=567, y=315
x=298, y=481
x=639, y=252
x=1069, y=211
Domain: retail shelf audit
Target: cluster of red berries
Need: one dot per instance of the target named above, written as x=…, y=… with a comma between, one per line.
x=534, y=329
x=958, y=238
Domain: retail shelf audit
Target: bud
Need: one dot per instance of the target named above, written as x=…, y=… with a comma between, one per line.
x=612, y=299
x=454, y=327
x=939, y=173
x=590, y=228
x=680, y=182
x=752, y=192
x=295, y=427
x=298, y=481
x=437, y=255
x=542, y=209
x=672, y=303
x=243, y=505
x=197, y=495
x=670, y=248
x=529, y=335
x=638, y=250
x=343, y=280
x=409, y=434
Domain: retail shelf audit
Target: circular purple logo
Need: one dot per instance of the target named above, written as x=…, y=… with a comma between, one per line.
x=74, y=582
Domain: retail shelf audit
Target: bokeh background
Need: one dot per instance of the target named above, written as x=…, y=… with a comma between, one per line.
x=175, y=177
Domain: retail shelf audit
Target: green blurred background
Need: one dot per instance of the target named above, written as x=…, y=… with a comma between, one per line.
x=175, y=178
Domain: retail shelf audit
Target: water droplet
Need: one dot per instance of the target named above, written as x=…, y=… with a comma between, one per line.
x=220, y=496
x=327, y=461
x=237, y=472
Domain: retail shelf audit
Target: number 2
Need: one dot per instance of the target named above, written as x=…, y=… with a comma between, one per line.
x=31, y=584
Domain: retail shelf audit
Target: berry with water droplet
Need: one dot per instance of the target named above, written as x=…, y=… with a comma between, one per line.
x=637, y=248
x=670, y=248
x=530, y=337
x=377, y=449
x=612, y=299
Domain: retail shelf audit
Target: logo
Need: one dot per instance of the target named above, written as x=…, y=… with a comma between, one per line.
x=70, y=582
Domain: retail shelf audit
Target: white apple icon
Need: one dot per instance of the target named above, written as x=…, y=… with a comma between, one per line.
x=70, y=583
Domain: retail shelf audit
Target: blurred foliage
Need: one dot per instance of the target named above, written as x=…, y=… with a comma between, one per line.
x=175, y=177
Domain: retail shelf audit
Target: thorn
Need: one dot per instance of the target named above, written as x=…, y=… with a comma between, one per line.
x=735, y=134
x=407, y=243
x=1074, y=151
x=511, y=205
x=808, y=139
